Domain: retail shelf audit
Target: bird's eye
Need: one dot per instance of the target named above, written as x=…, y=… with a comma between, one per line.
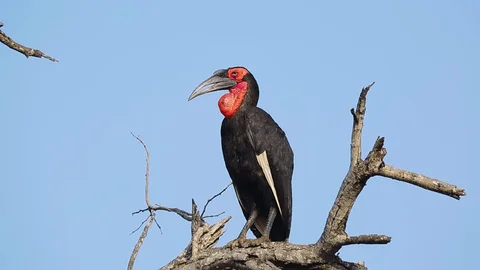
x=234, y=74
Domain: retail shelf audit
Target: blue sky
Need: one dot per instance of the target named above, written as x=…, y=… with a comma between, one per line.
x=72, y=174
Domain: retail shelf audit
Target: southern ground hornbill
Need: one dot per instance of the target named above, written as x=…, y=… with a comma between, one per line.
x=257, y=155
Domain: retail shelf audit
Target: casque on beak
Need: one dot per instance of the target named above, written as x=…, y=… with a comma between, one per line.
x=216, y=82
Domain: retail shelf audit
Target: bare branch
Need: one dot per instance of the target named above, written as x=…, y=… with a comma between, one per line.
x=142, y=237
x=334, y=235
x=351, y=186
x=147, y=170
x=150, y=208
x=182, y=213
x=422, y=181
x=21, y=48
x=212, y=198
x=213, y=216
x=366, y=239
x=358, y=116
x=140, y=226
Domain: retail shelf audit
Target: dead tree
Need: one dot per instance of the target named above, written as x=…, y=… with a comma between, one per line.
x=201, y=253
x=12, y=44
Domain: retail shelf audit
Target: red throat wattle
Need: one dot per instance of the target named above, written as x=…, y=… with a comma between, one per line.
x=230, y=103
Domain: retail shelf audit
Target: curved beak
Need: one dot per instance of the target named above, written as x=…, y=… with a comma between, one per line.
x=214, y=83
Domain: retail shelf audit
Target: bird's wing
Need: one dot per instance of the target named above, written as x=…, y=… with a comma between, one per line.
x=274, y=156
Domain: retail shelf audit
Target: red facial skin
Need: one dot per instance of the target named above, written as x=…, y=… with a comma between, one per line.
x=230, y=102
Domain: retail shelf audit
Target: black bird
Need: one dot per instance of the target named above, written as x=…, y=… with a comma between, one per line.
x=257, y=155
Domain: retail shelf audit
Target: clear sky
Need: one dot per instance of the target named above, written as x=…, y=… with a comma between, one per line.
x=72, y=174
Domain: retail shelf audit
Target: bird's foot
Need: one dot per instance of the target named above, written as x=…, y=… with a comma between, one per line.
x=259, y=241
x=239, y=242
x=243, y=242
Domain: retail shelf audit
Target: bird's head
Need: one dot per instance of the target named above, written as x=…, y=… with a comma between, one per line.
x=240, y=83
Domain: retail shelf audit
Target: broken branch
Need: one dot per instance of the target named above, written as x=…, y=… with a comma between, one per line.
x=366, y=239
x=9, y=42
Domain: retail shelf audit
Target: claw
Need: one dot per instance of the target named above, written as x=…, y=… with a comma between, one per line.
x=239, y=242
x=242, y=242
x=259, y=241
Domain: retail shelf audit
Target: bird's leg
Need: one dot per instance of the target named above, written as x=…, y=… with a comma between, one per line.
x=272, y=214
x=242, y=237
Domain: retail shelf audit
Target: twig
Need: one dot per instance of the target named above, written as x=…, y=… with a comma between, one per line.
x=142, y=237
x=182, y=213
x=21, y=48
x=212, y=198
x=216, y=215
x=158, y=225
x=139, y=226
x=147, y=170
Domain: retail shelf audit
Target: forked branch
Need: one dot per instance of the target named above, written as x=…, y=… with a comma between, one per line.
x=12, y=44
x=334, y=235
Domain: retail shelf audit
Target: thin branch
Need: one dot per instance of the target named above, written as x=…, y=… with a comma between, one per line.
x=139, y=226
x=422, y=181
x=147, y=170
x=152, y=213
x=158, y=225
x=182, y=213
x=212, y=198
x=9, y=42
x=142, y=237
x=213, y=216
x=150, y=208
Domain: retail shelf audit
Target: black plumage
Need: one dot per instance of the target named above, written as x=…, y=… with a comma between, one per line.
x=248, y=135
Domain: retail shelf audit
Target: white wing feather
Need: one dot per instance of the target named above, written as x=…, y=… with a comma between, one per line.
x=263, y=162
